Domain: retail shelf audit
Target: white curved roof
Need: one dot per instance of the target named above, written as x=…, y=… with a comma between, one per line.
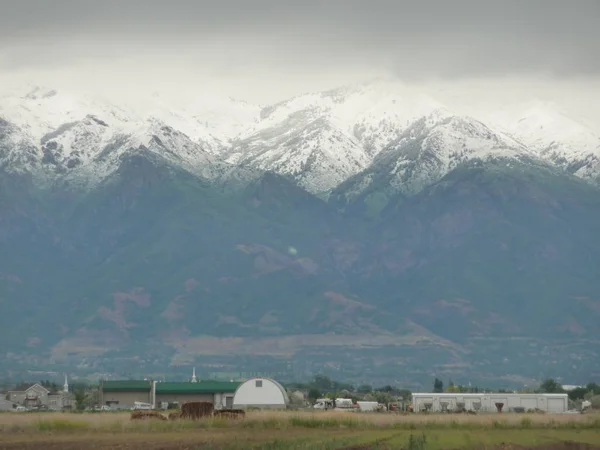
x=249, y=386
x=281, y=388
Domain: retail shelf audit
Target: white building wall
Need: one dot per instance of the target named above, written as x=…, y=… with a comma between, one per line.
x=261, y=393
x=553, y=403
x=223, y=400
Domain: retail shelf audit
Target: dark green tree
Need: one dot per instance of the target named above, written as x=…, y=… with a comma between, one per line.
x=313, y=394
x=79, y=398
x=594, y=388
x=438, y=385
x=386, y=388
x=323, y=383
x=550, y=386
x=578, y=393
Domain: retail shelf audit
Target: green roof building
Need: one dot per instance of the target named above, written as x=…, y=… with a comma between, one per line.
x=200, y=387
x=123, y=394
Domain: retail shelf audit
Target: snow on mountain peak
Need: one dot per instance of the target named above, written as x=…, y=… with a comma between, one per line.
x=426, y=151
x=75, y=132
x=321, y=139
x=545, y=129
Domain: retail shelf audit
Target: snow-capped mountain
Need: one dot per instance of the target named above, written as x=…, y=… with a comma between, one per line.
x=353, y=136
x=321, y=139
x=212, y=121
x=554, y=136
x=426, y=151
x=18, y=153
x=83, y=139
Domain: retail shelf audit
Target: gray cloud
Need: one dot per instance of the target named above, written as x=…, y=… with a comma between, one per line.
x=445, y=39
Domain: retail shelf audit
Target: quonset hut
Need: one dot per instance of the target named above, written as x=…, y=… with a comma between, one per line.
x=260, y=393
x=434, y=402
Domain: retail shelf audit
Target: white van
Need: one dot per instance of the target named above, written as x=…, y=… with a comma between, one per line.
x=141, y=405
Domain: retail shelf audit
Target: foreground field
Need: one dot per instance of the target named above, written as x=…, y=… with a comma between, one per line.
x=301, y=430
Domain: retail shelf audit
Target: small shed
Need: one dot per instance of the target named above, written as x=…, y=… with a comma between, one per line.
x=261, y=393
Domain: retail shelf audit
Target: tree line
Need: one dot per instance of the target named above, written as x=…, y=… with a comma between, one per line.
x=548, y=386
x=321, y=386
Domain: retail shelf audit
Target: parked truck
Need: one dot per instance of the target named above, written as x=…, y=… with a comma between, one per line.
x=324, y=403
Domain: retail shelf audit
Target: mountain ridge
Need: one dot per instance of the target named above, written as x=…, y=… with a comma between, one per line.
x=320, y=139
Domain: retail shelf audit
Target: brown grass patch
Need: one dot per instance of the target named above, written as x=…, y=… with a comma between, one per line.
x=230, y=413
x=119, y=421
x=146, y=415
x=316, y=430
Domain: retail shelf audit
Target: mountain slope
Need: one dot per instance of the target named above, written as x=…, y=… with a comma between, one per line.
x=129, y=242
x=156, y=261
x=423, y=154
x=528, y=224
x=501, y=260
x=17, y=152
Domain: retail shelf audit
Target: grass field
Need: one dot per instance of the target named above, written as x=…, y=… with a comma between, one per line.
x=302, y=430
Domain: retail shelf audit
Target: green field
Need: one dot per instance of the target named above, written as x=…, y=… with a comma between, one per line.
x=301, y=430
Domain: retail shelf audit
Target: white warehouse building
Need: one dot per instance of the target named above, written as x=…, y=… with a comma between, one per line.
x=434, y=402
x=260, y=393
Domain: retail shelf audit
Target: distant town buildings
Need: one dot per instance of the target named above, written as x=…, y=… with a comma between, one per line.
x=37, y=396
x=125, y=394
x=256, y=392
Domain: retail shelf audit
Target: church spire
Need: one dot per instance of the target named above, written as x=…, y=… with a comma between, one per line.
x=194, y=375
x=66, y=385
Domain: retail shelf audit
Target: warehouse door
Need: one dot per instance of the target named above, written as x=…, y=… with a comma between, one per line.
x=556, y=405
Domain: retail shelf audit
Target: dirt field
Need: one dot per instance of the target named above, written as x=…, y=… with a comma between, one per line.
x=302, y=430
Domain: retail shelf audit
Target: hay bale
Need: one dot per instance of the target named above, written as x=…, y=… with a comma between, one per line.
x=196, y=410
x=230, y=413
x=174, y=416
x=146, y=415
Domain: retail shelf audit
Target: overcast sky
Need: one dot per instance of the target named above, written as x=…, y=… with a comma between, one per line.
x=271, y=49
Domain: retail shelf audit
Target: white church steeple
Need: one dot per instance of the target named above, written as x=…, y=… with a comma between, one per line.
x=194, y=380
x=66, y=385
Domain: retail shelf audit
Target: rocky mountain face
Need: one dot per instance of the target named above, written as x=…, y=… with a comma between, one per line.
x=363, y=230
